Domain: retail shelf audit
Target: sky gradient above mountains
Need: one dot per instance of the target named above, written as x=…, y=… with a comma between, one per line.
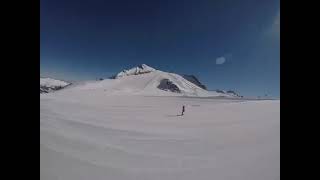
x=226, y=44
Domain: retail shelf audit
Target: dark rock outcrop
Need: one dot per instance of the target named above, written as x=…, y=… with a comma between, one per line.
x=167, y=85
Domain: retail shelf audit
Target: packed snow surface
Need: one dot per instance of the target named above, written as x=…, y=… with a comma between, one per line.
x=112, y=130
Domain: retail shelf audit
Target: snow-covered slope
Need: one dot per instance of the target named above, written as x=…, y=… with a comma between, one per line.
x=141, y=69
x=145, y=80
x=94, y=136
x=99, y=130
x=194, y=80
x=49, y=85
x=140, y=80
x=229, y=92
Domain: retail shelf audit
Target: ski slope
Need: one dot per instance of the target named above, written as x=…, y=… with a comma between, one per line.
x=125, y=129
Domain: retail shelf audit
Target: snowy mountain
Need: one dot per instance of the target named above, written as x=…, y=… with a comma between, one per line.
x=141, y=69
x=194, y=80
x=48, y=85
x=233, y=93
x=229, y=92
x=141, y=80
x=145, y=80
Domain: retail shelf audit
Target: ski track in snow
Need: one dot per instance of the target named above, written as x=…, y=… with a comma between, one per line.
x=87, y=134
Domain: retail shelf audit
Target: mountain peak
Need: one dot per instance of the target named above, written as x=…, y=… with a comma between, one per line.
x=140, y=69
x=144, y=66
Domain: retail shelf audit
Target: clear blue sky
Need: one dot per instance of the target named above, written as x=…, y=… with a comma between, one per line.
x=228, y=44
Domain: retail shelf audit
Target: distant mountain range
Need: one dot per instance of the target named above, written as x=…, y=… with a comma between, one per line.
x=143, y=80
x=49, y=85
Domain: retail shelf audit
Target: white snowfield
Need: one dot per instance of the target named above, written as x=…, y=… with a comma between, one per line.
x=126, y=129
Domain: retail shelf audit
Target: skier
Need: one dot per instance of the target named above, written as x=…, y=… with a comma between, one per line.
x=183, y=109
